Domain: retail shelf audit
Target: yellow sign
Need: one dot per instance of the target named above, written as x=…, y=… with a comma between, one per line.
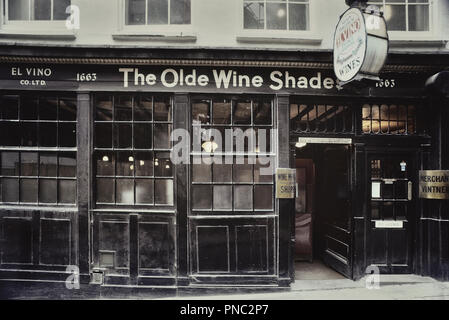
x=434, y=184
x=285, y=183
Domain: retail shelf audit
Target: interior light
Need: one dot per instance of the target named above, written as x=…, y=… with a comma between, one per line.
x=281, y=13
x=105, y=158
x=131, y=159
x=156, y=162
x=142, y=163
x=209, y=146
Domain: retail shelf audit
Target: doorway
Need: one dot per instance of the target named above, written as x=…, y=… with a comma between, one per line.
x=323, y=211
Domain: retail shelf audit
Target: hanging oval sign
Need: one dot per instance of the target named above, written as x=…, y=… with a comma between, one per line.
x=349, y=44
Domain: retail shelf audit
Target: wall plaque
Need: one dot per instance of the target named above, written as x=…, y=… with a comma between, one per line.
x=434, y=184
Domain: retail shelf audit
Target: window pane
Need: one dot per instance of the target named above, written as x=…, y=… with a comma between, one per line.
x=29, y=134
x=123, y=135
x=47, y=190
x=201, y=197
x=253, y=15
x=123, y=108
x=125, y=191
x=143, y=136
x=222, y=112
x=67, y=164
x=162, y=109
x=263, y=197
x=276, y=16
x=243, y=197
x=48, y=165
x=144, y=191
x=42, y=9
x=222, y=173
x=298, y=16
x=242, y=113
x=105, y=163
x=103, y=108
x=10, y=134
x=163, y=191
x=105, y=190
x=395, y=16
x=18, y=9
x=9, y=190
x=125, y=164
x=28, y=108
x=263, y=172
x=262, y=113
x=201, y=173
x=143, y=109
x=29, y=164
x=243, y=172
x=67, y=109
x=418, y=18
x=59, y=7
x=157, y=11
x=162, y=136
x=67, y=191
x=180, y=12
x=67, y=135
x=223, y=197
x=201, y=112
x=162, y=165
x=48, y=108
x=135, y=12
x=10, y=164
x=48, y=134
x=10, y=107
x=144, y=164
x=103, y=135
x=28, y=190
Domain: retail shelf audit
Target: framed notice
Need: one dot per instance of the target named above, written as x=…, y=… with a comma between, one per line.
x=434, y=184
x=285, y=183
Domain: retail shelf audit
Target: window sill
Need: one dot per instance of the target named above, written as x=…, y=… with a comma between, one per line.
x=38, y=34
x=304, y=40
x=434, y=44
x=153, y=36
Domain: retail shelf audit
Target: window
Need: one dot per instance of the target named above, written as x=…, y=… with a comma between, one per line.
x=276, y=14
x=38, y=149
x=321, y=118
x=239, y=185
x=132, y=150
x=35, y=10
x=388, y=119
x=157, y=12
x=405, y=15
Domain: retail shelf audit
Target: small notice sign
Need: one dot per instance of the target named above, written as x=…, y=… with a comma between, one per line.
x=285, y=183
x=434, y=184
x=389, y=224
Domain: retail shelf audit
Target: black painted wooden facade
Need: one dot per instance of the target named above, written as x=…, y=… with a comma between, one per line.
x=171, y=246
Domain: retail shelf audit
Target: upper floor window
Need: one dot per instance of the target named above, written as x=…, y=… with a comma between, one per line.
x=276, y=14
x=157, y=12
x=35, y=10
x=405, y=15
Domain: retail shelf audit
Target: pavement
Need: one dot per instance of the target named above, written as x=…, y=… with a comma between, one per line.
x=390, y=287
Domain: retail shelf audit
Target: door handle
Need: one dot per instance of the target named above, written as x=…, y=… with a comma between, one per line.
x=410, y=189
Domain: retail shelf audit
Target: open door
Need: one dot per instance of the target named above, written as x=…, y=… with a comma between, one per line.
x=323, y=206
x=335, y=209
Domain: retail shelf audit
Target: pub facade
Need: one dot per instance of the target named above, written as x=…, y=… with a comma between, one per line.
x=121, y=166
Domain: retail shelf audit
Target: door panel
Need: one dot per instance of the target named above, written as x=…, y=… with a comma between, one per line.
x=390, y=211
x=336, y=209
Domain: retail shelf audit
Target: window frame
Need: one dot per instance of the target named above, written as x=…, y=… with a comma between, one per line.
x=310, y=33
x=414, y=35
x=55, y=151
x=46, y=27
x=159, y=29
x=247, y=154
x=115, y=150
